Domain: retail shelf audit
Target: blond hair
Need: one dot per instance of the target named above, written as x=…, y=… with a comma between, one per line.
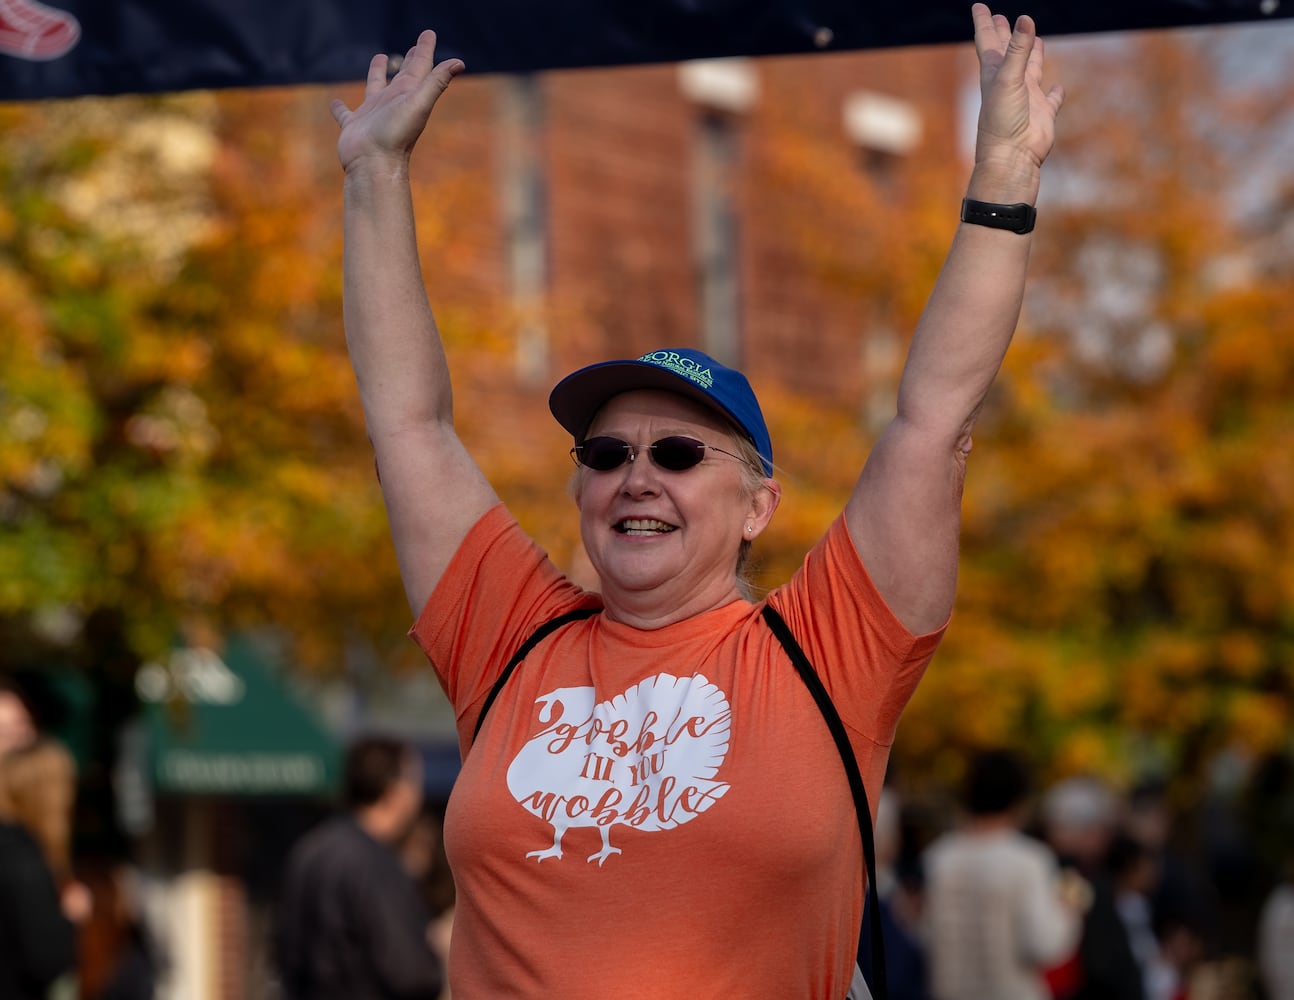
x=38, y=791
x=753, y=480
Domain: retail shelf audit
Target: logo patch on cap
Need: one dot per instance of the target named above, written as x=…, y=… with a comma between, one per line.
x=679, y=365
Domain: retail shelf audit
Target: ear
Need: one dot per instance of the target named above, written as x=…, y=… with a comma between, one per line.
x=762, y=507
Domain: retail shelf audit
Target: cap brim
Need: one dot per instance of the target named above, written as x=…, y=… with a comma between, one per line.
x=576, y=399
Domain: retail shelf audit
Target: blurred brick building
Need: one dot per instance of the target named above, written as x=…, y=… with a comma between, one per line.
x=716, y=204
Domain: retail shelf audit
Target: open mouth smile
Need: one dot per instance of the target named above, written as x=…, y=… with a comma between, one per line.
x=643, y=527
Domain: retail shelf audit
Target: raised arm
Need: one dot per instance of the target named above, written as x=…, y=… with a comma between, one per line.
x=434, y=492
x=905, y=512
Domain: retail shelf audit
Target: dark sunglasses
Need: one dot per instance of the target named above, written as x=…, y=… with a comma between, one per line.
x=674, y=454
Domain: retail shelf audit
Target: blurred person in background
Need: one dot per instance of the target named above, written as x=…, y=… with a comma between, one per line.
x=1182, y=950
x=17, y=725
x=727, y=874
x=350, y=923
x=40, y=900
x=423, y=855
x=1080, y=817
x=40, y=794
x=1276, y=936
x=997, y=910
x=1134, y=874
x=138, y=961
x=1150, y=820
x=901, y=895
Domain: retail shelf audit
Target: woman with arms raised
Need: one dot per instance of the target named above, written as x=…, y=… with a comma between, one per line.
x=653, y=806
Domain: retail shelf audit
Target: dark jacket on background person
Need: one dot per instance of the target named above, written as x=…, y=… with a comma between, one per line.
x=906, y=975
x=1110, y=971
x=1107, y=969
x=37, y=943
x=351, y=923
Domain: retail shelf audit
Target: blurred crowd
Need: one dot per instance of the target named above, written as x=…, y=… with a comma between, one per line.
x=1074, y=891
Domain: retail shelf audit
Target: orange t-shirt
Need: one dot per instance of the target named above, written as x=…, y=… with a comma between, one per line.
x=659, y=813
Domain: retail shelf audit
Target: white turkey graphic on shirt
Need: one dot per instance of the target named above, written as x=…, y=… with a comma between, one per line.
x=645, y=759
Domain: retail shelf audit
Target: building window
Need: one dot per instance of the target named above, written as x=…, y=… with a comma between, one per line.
x=883, y=129
x=723, y=90
x=524, y=199
x=715, y=238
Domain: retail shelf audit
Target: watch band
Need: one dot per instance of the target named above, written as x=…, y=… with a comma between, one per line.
x=1017, y=218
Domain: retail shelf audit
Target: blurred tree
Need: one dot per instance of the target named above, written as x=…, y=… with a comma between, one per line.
x=180, y=442
x=1126, y=598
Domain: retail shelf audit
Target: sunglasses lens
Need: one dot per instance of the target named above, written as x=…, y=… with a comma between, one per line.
x=602, y=454
x=677, y=453
x=673, y=454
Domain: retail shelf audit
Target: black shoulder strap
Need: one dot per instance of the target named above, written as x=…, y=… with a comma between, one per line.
x=814, y=683
x=544, y=630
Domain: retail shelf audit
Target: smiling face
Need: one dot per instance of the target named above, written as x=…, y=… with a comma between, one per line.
x=665, y=543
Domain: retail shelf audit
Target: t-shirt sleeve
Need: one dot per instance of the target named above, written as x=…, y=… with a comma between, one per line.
x=498, y=588
x=868, y=660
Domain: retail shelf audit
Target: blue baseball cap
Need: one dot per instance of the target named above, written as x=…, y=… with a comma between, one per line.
x=578, y=397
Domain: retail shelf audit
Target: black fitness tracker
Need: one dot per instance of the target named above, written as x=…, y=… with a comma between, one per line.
x=1017, y=218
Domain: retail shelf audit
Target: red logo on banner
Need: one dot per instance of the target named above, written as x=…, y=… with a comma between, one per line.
x=30, y=30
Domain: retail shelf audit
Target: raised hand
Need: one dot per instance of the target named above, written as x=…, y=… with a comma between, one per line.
x=1017, y=117
x=394, y=113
